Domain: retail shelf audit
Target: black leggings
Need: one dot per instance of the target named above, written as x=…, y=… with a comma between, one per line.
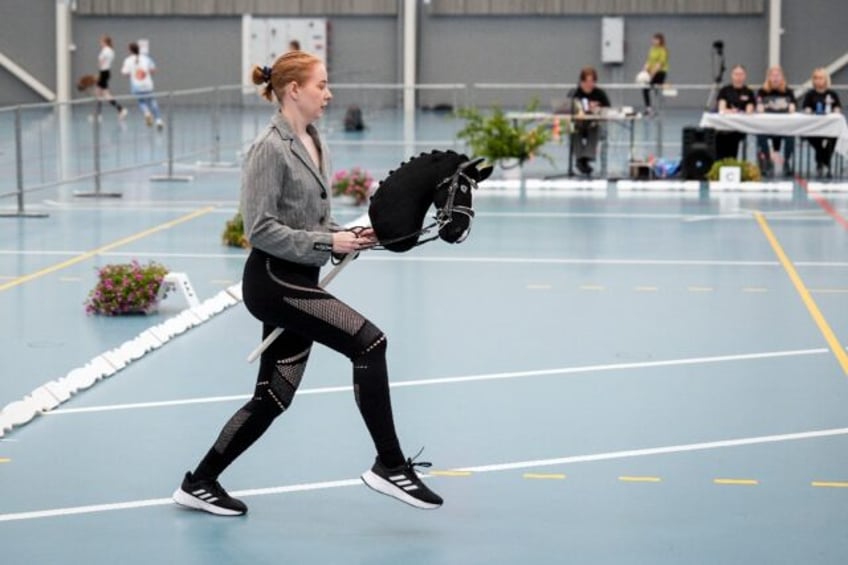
x=287, y=295
x=657, y=80
x=823, y=148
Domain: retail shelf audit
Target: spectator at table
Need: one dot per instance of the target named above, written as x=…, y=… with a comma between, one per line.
x=587, y=101
x=734, y=98
x=822, y=100
x=775, y=97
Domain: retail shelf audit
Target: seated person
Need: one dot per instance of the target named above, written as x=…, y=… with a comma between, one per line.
x=775, y=97
x=822, y=100
x=587, y=99
x=733, y=98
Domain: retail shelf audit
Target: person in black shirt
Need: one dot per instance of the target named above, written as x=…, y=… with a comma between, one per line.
x=733, y=98
x=822, y=100
x=775, y=97
x=587, y=100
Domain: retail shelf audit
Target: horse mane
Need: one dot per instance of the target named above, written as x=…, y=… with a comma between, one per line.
x=401, y=201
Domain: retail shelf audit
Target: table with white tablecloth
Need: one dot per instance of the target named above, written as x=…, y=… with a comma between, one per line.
x=797, y=124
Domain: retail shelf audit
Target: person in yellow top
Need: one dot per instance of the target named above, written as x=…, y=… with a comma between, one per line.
x=656, y=66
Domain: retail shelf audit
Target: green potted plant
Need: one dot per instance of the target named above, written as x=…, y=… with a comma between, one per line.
x=233, y=235
x=750, y=172
x=501, y=140
x=354, y=184
x=126, y=288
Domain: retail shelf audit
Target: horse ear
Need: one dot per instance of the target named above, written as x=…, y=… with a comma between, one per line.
x=484, y=172
x=474, y=170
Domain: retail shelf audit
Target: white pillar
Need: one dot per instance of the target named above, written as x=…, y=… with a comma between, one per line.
x=63, y=87
x=775, y=32
x=246, y=56
x=410, y=20
x=63, y=51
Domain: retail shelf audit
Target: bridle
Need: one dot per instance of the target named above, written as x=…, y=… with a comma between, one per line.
x=444, y=214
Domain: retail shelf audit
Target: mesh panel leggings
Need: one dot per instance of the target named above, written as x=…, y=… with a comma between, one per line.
x=287, y=295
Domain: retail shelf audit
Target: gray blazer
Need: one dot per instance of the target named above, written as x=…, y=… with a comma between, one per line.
x=285, y=198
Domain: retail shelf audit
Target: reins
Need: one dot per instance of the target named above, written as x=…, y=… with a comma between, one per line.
x=444, y=214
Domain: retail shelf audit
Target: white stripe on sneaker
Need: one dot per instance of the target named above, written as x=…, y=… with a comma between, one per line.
x=184, y=498
x=388, y=488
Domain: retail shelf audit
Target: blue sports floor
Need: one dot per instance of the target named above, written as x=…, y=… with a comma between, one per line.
x=598, y=376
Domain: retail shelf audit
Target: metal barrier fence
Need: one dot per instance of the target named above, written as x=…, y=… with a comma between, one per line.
x=48, y=145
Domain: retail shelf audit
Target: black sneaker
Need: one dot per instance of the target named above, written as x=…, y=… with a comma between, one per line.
x=402, y=483
x=209, y=496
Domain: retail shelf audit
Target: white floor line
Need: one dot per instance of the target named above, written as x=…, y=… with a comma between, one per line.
x=373, y=256
x=465, y=379
x=305, y=487
x=74, y=204
x=794, y=215
x=235, y=254
x=683, y=448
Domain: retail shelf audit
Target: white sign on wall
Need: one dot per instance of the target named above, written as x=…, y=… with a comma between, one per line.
x=612, y=40
x=265, y=39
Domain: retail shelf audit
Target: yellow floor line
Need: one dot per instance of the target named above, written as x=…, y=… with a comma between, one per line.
x=5, y=460
x=627, y=479
x=744, y=482
x=802, y=290
x=449, y=473
x=88, y=254
x=829, y=484
x=544, y=476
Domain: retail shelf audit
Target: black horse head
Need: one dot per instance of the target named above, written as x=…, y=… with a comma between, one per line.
x=441, y=178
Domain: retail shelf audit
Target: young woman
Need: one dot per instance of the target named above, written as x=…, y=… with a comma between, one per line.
x=656, y=65
x=587, y=99
x=775, y=97
x=286, y=209
x=104, y=65
x=733, y=98
x=822, y=100
x=140, y=69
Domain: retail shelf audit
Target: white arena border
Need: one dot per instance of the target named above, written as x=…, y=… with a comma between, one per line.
x=780, y=186
x=494, y=186
x=658, y=185
x=828, y=186
x=56, y=392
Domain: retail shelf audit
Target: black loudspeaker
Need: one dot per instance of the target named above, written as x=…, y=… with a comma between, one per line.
x=699, y=152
